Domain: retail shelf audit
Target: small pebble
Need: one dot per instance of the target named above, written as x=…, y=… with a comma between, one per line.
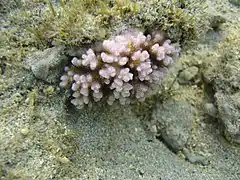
x=64, y=160
x=210, y=109
x=27, y=100
x=195, y=159
x=153, y=129
x=24, y=131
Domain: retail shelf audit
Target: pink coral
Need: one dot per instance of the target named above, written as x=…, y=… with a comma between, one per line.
x=129, y=66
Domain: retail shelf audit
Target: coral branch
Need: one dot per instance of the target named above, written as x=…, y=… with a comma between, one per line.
x=129, y=66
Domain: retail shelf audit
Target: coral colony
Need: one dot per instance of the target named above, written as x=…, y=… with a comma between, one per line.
x=128, y=66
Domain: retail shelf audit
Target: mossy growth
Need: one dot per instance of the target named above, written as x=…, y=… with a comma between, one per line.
x=15, y=39
x=40, y=24
x=226, y=70
x=78, y=22
x=229, y=48
x=183, y=21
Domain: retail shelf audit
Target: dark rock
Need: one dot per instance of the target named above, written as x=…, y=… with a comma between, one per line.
x=174, y=121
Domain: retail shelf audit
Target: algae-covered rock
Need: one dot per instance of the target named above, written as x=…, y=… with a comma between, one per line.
x=47, y=65
x=188, y=75
x=77, y=22
x=229, y=115
x=174, y=120
x=227, y=72
x=223, y=74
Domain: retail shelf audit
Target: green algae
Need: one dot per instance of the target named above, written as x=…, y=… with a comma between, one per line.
x=78, y=22
x=40, y=24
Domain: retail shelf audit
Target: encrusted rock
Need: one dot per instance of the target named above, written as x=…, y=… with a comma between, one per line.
x=46, y=65
x=229, y=115
x=188, y=75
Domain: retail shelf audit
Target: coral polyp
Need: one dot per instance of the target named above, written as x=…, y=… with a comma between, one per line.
x=127, y=67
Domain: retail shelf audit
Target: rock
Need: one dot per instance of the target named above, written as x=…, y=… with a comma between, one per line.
x=48, y=64
x=229, y=115
x=226, y=74
x=187, y=75
x=174, y=121
x=223, y=75
x=40, y=70
x=195, y=159
x=210, y=109
x=64, y=160
x=208, y=76
x=24, y=131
